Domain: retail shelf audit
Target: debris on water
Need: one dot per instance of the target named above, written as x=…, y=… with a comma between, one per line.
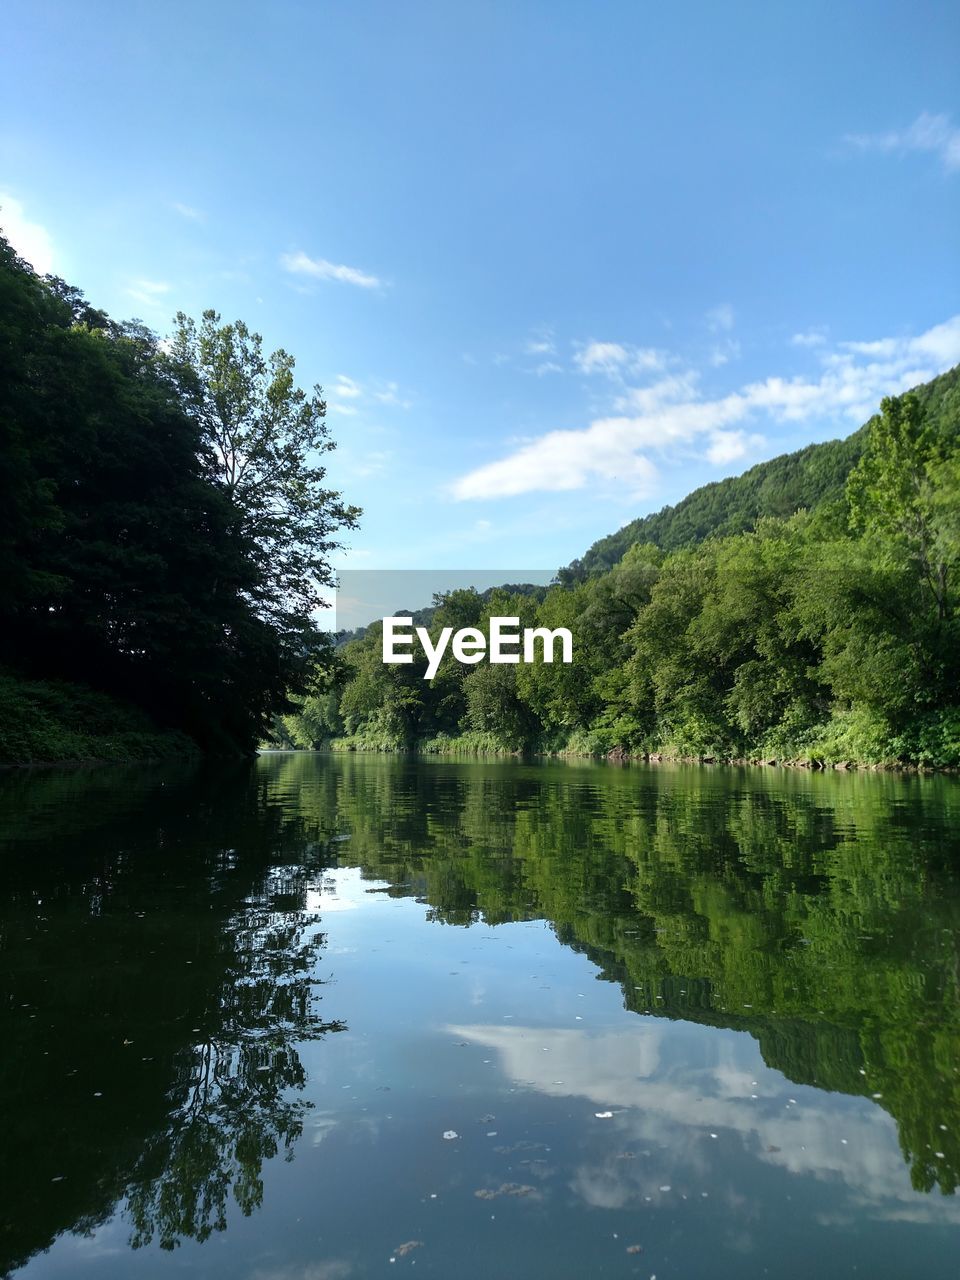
x=666, y=1187
x=634, y=1248
x=939, y=1155
x=408, y=1246
x=450, y=1134
x=603, y=1115
x=713, y=1135
x=507, y=1189
x=58, y=1178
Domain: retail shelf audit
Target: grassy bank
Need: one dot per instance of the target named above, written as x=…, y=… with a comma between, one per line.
x=52, y=722
x=835, y=750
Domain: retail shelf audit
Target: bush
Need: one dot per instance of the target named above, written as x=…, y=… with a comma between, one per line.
x=47, y=722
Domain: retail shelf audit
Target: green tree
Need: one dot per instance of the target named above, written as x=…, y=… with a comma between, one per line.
x=896, y=492
x=262, y=436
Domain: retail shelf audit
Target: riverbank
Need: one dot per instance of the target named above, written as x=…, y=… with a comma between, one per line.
x=54, y=722
x=486, y=744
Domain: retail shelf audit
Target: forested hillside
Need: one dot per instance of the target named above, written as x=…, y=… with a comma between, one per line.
x=740, y=627
x=791, y=482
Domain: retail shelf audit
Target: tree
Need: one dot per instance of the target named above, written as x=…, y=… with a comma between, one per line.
x=262, y=435
x=897, y=489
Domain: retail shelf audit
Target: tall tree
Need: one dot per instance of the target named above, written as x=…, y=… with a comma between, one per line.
x=897, y=491
x=263, y=436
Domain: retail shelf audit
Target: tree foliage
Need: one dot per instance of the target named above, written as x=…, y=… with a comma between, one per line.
x=164, y=526
x=824, y=635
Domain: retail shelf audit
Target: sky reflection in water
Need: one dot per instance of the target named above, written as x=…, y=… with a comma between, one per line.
x=651, y=1007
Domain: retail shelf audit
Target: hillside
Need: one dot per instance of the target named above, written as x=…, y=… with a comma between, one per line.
x=804, y=479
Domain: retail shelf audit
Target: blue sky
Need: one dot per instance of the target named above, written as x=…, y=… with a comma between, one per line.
x=554, y=264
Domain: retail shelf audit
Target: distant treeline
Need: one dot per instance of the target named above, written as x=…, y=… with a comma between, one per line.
x=162, y=530
x=805, y=610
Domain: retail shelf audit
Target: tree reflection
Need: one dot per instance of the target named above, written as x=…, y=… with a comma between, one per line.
x=821, y=914
x=154, y=1039
x=232, y=1104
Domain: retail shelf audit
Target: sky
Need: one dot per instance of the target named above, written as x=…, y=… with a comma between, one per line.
x=554, y=264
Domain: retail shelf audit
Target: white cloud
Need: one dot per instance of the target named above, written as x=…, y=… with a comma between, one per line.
x=559, y=461
x=541, y=345
x=601, y=357
x=724, y=352
x=391, y=395
x=811, y=338
x=187, y=211
x=615, y=359
x=149, y=292
x=930, y=133
x=669, y=416
x=720, y=319
x=320, y=269
x=346, y=388
x=728, y=446
x=31, y=241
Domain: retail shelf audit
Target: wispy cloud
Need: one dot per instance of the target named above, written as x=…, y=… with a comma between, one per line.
x=346, y=388
x=930, y=133
x=669, y=418
x=189, y=212
x=390, y=395
x=720, y=319
x=149, y=292
x=542, y=344
x=809, y=338
x=723, y=352
x=346, y=394
x=31, y=241
x=616, y=359
x=300, y=264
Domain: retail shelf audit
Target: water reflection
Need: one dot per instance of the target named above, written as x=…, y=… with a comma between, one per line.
x=822, y=914
x=786, y=947
x=159, y=959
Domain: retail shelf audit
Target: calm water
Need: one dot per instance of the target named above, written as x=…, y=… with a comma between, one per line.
x=322, y=1018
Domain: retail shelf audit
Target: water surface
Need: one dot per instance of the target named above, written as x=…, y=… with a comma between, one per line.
x=327, y=1017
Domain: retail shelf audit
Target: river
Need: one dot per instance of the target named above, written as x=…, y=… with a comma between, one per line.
x=324, y=1017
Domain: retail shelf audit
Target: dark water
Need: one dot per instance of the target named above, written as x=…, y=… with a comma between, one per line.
x=713, y=1015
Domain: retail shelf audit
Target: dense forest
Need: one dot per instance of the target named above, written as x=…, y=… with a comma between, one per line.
x=165, y=531
x=805, y=611
x=164, y=528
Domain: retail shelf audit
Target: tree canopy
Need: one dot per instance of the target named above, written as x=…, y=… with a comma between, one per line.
x=164, y=525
